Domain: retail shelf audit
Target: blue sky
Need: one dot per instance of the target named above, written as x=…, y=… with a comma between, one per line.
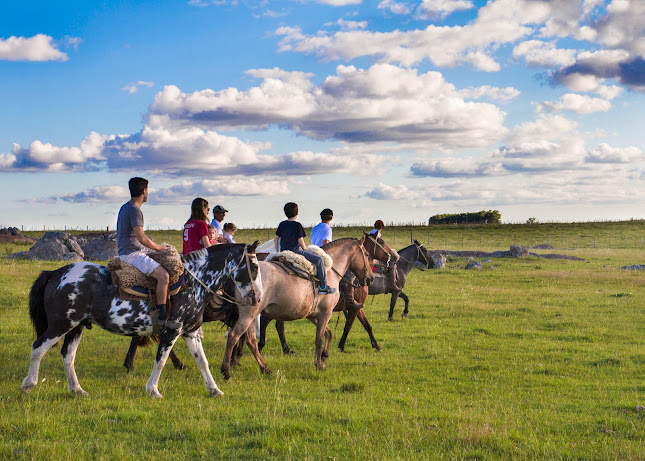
x=392, y=110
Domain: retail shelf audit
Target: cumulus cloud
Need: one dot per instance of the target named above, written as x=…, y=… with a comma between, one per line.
x=348, y=25
x=134, y=87
x=223, y=187
x=340, y=2
x=544, y=54
x=40, y=47
x=605, y=153
x=578, y=103
x=384, y=103
x=457, y=167
x=394, y=7
x=100, y=194
x=491, y=92
x=441, y=8
x=387, y=192
x=497, y=23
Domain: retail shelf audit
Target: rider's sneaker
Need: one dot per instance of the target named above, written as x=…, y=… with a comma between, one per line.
x=326, y=290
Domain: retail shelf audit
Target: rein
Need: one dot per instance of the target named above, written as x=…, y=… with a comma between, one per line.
x=365, y=261
x=227, y=297
x=417, y=258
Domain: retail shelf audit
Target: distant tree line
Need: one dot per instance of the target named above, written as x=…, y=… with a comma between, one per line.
x=480, y=217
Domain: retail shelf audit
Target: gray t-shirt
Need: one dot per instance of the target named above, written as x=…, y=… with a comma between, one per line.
x=130, y=216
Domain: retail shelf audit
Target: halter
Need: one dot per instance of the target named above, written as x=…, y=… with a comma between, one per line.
x=389, y=255
x=252, y=295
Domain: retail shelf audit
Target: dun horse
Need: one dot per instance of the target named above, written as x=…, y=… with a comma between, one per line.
x=65, y=301
x=288, y=297
x=351, y=300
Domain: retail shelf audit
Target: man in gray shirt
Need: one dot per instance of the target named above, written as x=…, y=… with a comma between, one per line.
x=133, y=244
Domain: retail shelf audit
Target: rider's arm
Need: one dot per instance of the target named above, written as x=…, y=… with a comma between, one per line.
x=301, y=243
x=276, y=243
x=145, y=240
x=205, y=241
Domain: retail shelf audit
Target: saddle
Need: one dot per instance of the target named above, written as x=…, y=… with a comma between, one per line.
x=134, y=284
x=295, y=264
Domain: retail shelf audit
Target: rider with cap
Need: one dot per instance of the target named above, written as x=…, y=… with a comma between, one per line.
x=218, y=218
x=321, y=233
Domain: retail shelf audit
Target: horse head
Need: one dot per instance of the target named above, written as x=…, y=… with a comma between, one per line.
x=423, y=260
x=378, y=249
x=360, y=263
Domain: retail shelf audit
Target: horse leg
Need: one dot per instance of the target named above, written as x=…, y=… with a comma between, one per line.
x=168, y=338
x=238, y=351
x=194, y=343
x=264, y=322
x=279, y=326
x=350, y=316
x=251, y=341
x=406, y=300
x=243, y=323
x=321, y=331
x=328, y=337
x=132, y=351
x=68, y=352
x=363, y=319
x=395, y=295
x=178, y=364
x=38, y=349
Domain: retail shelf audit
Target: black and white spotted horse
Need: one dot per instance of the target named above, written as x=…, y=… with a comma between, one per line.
x=65, y=301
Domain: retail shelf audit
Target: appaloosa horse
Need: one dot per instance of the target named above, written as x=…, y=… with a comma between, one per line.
x=289, y=297
x=351, y=301
x=414, y=255
x=65, y=301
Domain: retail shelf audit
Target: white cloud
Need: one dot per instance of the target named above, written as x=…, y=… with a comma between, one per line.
x=580, y=104
x=546, y=127
x=239, y=186
x=383, y=104
x=544, y=54
x=134, y=87
x=394, y=7
x=340, y=2
x=40, y=47
x=457, y=167
x=348, y=25
x=386, y=192
x=605, y=153
x=491, y=92
x=441, y=8
x=100, y=194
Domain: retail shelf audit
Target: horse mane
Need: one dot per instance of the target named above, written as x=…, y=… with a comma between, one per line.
x=193, y=255
x=335, y=243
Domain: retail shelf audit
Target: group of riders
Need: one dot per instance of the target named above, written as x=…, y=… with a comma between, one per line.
x=133, y=244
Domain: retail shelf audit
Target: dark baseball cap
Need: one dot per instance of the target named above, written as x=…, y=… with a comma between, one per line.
x=217, y=208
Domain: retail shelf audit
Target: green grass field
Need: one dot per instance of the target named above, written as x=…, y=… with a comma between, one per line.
x=528, y=359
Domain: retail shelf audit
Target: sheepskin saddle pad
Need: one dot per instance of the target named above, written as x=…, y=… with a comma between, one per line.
x=131, y=281
x=299, y=263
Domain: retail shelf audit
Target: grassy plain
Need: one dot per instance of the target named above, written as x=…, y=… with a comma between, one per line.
x=527, y=359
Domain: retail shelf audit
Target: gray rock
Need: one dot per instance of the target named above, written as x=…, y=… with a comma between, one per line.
x=100, y=249
x=5, y=232
x=72, y=257
x=15, y=232
x=72, y=245
x=438, y=260
x=486, y=261
x=518, y=251
x=56, y=235
x=48, y=249
x=19, y=255
x=473, y=265
x=638, y=267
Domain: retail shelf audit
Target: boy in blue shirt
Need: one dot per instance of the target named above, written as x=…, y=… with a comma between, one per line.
x=290, y=236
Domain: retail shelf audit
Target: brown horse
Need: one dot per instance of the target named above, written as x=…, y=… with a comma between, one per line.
x=351, y=301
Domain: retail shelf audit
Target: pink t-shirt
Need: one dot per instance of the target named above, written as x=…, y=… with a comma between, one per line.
x=194, y=230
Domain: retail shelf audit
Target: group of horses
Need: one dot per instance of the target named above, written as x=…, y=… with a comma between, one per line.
x=63, y=302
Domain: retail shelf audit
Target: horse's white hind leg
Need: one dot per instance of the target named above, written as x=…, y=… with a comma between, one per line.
x=196, y=349
x=38, y=350
x=160, y=361
x=68, y=352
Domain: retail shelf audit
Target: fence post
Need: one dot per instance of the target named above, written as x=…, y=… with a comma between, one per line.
x=445, y=239
x=462, y=239
x=480, y=239
x=411, y=239
x=268, y=234
x=625, y=242
x=513, y=239
x=548, y=238
x=594, y=241
x=428, y=238
x=609, y=242
x=562, y=242
x=578, y=245
x=394, y=237
x=497, y=240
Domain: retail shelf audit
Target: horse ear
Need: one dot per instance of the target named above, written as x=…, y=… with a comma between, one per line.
x=253, y=246
x=416, y=242
x=363, y=238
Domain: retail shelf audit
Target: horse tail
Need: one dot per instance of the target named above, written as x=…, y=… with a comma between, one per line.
x=37, y=311
x=145, y=341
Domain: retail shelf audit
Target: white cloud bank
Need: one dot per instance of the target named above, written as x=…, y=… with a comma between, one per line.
x=40, y=47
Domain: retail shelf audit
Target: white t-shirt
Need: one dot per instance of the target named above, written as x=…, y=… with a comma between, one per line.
x=320, y=232
x=218, y=226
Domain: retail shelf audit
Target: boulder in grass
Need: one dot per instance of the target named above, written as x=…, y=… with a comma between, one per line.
x=438, y=260
x=100, y=249
x=518, y=251
x=72, y=257
x=73, y=246
x=473, y=265
x=638, y=267
x=48, y=249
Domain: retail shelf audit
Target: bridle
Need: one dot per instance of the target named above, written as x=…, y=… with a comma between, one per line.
x=252, y=295
x=417, y=257
x=365, y=254
x=376, y=242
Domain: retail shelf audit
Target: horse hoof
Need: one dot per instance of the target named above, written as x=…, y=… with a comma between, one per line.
x=215, y=392
x=341, y=349
x=79, y=391
x=26, y=388
x=266, y=371
x=225, y=374
x=390, y=319
x=288, y=351
x=154, y=393
x=404, y=315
